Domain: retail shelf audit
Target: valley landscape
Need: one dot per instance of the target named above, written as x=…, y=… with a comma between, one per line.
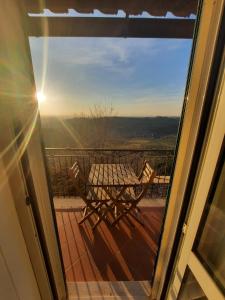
x=110, y=132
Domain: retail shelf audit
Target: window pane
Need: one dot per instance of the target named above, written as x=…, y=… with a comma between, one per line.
x=190, y=289
x=211, y=241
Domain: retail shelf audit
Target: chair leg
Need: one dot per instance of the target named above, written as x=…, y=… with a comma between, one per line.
x=115, y=211
x=102, y=217
x=96, y=223
x=128, y=211
x=85, y=217
x=93, y=210
x=123, y=213
x=84, y=211
x=138, y=209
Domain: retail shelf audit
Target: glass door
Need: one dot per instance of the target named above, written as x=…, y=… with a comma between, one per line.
x=200, y=267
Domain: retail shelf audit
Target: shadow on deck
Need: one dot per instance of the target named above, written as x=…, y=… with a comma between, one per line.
x=126, y=252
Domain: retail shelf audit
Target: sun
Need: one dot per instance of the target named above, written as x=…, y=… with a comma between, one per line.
x=40, y=97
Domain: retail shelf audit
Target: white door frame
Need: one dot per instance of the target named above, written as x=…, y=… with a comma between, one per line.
x=212, y=149
x=18, y=104
x=16, y=210
x=206, y=37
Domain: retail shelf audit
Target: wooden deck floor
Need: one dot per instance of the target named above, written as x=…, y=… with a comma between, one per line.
x=120, y=253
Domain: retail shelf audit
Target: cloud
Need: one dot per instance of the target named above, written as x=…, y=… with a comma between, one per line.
x=112, y=54
x=94, y=51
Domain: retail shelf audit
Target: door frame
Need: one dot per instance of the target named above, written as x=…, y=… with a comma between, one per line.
x=20, y=250
x=192, y=115
x=210, y=158
x=200, y=87
x=19, y=108
x=193, y=111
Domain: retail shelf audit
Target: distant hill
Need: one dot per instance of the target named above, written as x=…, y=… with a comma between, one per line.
x=119, y=132
x=154, y=127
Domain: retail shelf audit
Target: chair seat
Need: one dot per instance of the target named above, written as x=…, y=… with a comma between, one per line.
x=161, y=179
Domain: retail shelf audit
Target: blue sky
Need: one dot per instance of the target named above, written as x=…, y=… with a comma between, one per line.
x=138, y=77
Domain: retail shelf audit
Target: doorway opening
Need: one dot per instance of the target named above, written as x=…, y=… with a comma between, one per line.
x=109, y=103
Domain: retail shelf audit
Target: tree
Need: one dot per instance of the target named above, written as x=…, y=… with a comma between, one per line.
x=101, y=127
x=94, y=129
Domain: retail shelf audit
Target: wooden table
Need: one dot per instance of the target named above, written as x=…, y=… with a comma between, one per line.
x=114, y=180
x=112, y=175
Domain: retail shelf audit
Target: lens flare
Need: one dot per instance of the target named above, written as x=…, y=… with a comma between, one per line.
x=40, y=97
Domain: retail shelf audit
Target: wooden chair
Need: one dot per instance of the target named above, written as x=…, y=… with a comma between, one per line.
x=95, y=199
x=160, y=185
x=127, y=205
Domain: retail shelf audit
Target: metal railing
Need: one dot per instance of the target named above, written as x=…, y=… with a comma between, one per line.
x=59, y=160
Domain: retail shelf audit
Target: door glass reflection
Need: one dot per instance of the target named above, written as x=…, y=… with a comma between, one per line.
x=210, y=244
x=190, y=288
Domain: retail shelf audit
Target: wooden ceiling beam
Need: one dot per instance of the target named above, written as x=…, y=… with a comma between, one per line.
x=179, y=8
x=111, y=27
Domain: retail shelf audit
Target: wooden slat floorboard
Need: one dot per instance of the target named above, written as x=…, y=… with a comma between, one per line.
x=122, y=253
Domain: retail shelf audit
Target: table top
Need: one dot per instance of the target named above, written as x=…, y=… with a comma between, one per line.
x=112, y=175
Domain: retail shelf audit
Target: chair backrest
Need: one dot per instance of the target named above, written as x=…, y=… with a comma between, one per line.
x=146, y=178
x=78, y=179
x=80, y=184
x=147, y=174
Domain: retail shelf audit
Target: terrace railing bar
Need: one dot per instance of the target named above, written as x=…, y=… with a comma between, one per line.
x=59, y=160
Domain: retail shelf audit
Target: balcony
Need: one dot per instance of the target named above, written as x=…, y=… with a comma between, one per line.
x=59, y=160
x=125, y=252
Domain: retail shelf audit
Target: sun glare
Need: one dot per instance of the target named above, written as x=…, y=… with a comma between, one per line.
x=40, y=97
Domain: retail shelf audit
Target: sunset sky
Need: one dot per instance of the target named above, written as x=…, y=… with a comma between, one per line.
x=138, y=77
